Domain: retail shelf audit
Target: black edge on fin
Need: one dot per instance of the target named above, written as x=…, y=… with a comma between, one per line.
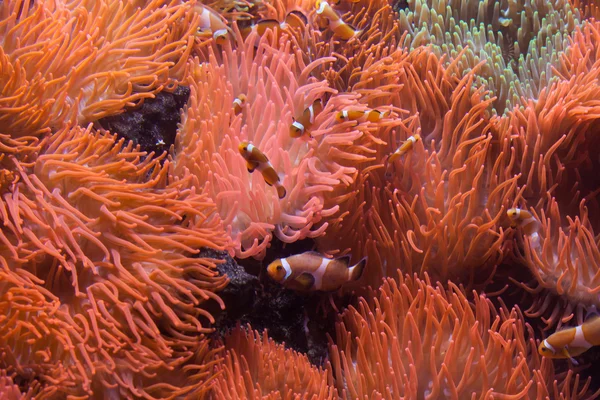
x=345, y=259
x=358, y=270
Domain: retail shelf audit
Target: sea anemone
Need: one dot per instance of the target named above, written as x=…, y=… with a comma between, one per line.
x=414, y=340
x=100, y=286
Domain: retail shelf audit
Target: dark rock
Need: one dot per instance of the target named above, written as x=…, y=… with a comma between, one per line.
x=153, y=125
x=301, y=321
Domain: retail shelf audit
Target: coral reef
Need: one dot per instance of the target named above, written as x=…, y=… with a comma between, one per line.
x=135, y=231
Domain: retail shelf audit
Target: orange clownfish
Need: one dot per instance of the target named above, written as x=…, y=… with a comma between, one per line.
x=311, y=271
x=239, y=103
x=336, y=24
x=525, y=220
x=571, y=342
x=405, y=147
x=354, y=115
x=302, y=124
x=256, y=159
x=294, y=19
x=212, y=24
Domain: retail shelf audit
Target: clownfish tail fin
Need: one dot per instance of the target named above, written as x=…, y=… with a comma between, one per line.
x=281, y=192
x=357, y=270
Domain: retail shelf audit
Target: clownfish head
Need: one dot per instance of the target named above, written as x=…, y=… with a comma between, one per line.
x=245, y=149
x=546, y=350
x=221, y=36
x=341, y=116
x=513, y=213
x=276, y=271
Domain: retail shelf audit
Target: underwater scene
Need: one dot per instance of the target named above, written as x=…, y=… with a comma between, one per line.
x=299, y=199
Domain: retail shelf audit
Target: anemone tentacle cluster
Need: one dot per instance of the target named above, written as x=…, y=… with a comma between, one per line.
x=409, y=133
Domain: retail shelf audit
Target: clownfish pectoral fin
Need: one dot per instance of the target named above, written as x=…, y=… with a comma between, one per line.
x=357, y=270
x=251, y=166
x=306, y=280
x=565, y=352
x=281, y=192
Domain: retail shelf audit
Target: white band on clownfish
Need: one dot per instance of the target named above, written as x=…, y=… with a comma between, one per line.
x=288, y=269
x=549, y=346
x=334, y=24
x=518, y=212
x=219, y=32
x=298, y=125
x=237, y=101
x=312, y=114
x=322, y=7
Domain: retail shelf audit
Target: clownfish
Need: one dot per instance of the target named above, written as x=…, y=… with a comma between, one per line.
x=295, y=19
x=571, y=342
x=405, y=147
x=212, y=24
x=6, y=179
x=525, y=220
x=354, y=115
x=336, y=24
x=302, y=124
x=239, y=103
x=311, y=271
x=256, y=159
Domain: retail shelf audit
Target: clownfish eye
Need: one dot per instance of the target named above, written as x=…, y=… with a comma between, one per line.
x=279, y=268
x=245, y=148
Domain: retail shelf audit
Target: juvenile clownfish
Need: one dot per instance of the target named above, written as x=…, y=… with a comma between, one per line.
x=239, y=103
x=294, y=19
x=311, y=271
x=405, y=147
x=525, y=220
x=256, y=159
x=6, y=179
x=336, y=24
x=354, y=115
x=571, y=342
x=302, y=124
x=211, y=24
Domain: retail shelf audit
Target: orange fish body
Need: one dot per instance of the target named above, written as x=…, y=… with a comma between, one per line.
x=405, y=147
x=257, y=160
x=302, y=124
x=294, y=20
x=571, y=342
x=525, y=220
x=355, y=115
x=239, y=103
x=340, y=29
x=211, y=23
x=311, y=271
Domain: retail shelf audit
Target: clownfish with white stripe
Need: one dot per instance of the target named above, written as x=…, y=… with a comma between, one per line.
x=301, y=125
x=211, y=24
x=257, y=160
x=355, y=115
x=405, y=147
x=525, y=220
x=311, y=271
x=294, y=20
x=572, y=342
x=239, y=103
x=340, y=29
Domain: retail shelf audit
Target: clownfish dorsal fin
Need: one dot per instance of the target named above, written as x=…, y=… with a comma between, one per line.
x=591, y=314
x=345, y=259
x=306, y=280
